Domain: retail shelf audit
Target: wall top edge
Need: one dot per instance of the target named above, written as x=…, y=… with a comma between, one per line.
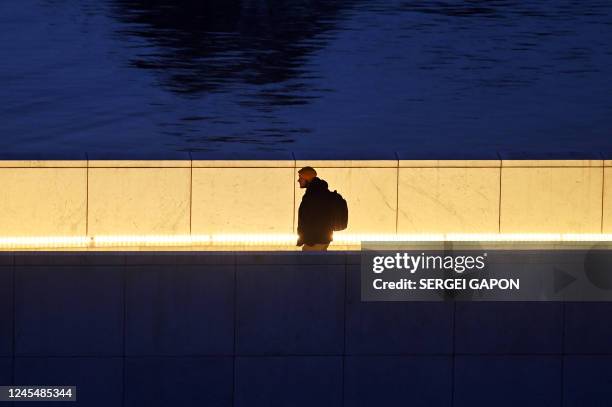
x=302, y=163
x=243, y=163
x=139, y=163
x=552, y=163
x=346, y=163
x=448, y=163
x=43, y=163
x=552, y=155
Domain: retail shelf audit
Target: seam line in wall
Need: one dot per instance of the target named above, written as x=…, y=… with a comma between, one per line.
x=562, y=352
x=234, y=358
x=603, y=193
x=453, y=361
x=397, y=193
x=293, y=187
x=344, y=316
x=499, y=196
x=190, y=192
x=124, y=271
x=87, y=195
x=13, y=377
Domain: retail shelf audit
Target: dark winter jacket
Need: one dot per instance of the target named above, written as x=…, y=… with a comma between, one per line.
x=314, y=223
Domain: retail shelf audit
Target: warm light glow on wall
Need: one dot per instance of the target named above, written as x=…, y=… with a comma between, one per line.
x=254, y=239
x=269, y=241
x=506, y=237
x=44, y=242
x=150, y=240
x=600, y=237
x=356, y=239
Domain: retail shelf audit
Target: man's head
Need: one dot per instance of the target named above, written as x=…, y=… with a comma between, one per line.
x=306, y=175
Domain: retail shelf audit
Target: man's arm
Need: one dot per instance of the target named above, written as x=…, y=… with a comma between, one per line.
x=308, y=219
x=300, y=229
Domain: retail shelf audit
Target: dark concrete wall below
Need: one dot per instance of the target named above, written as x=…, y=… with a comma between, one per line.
x=282, y=329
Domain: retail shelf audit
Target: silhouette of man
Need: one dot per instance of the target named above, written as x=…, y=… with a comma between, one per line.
x=314, y=224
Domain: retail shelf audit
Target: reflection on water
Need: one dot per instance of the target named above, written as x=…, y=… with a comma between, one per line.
x=221, y=46
x=206, y=46
x=306, y=75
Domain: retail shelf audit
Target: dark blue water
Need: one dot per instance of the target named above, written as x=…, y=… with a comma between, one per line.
x=256, y=76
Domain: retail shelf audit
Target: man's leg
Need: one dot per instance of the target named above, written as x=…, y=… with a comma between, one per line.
x=315, y=247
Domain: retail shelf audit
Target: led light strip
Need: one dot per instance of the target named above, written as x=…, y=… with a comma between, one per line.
x=217, y=240
x=150, y=240
x=44, y=242
x=254, y=239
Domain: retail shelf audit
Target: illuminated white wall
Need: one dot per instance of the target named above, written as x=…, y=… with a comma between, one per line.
x=208, y=198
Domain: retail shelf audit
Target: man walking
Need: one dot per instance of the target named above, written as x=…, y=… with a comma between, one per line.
x=314, y=219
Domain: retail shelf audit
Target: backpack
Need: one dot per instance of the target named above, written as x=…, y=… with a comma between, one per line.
x=338, y=211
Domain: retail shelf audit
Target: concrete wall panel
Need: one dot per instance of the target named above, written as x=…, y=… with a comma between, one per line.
x=99, y=381
x=416, y=381
x=587, y=381
x=178, y=382
x=242, y=200
x=289, y=381
x=68, y=311
x=448, y=200
x=507, y=328
x=508, y=381
x=6, y=311
x=588, y=327
x=43, y=201
x=6, y=371
x=141, y=201
x=179, y=310
x=289, y=310
x=551, y=200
